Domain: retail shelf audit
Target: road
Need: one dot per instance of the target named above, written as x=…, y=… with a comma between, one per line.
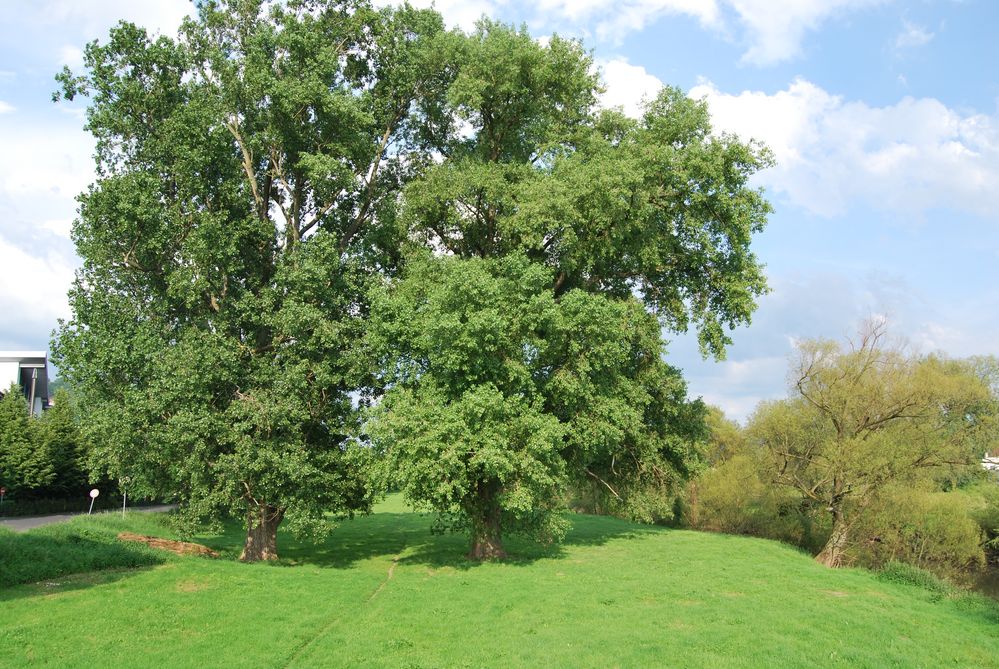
x=30, y=522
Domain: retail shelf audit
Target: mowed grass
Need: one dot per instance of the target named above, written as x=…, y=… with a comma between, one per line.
x=384, y=592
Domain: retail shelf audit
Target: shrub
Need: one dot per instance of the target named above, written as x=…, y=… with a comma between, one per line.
x=934, y=531
x=732, y=497
x=986, y=514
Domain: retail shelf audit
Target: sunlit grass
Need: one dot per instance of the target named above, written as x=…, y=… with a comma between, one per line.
x=383, y=591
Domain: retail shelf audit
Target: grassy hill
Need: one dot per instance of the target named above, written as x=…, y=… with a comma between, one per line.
x=384, y=592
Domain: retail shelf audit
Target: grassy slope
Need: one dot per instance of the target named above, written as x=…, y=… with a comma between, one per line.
x=615, y=594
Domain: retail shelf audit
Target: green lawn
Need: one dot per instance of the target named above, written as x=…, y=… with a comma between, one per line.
x=384, y=592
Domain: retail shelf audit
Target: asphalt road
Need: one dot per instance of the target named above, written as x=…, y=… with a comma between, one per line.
x=30, y=522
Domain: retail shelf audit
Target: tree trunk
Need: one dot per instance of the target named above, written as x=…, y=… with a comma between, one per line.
x=261, y=533
x=487, y=534
x=831, y=554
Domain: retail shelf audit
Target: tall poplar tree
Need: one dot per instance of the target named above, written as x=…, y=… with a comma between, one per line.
x=248, y=173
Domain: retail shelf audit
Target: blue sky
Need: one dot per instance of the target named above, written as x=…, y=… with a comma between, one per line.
x=883, y=116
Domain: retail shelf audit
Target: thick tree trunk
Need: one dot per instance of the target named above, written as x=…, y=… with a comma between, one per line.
x=831, y=554
x=261, y=533
x=487, y=534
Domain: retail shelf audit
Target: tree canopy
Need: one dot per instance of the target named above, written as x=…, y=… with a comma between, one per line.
x=867, y=415
x=266, y=174
x=248, y=175
x=522, y=344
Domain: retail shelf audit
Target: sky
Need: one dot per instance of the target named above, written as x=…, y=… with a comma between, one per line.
x=883, y=116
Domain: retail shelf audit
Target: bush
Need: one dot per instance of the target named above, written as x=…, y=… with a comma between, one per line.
x=933, y=531
x=109, y=500
x=732, y=497
x=986, y=514
x=41, y=457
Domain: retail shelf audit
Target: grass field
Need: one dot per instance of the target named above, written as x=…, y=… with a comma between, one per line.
x=384, y=592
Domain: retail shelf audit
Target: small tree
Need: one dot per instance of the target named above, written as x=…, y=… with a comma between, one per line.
x=57, y=433
x=867, y=415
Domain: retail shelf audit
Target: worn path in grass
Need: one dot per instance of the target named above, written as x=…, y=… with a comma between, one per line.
x=384, y=592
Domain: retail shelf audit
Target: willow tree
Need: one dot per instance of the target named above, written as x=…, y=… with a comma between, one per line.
x=526, y=349
x=248, y=172
x=868, y=415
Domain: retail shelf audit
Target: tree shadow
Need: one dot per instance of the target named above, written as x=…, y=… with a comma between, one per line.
x=585, y=530
x=69, y=583
x=408, y=537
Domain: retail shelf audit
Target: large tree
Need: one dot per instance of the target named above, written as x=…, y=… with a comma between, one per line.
x=868, y=415
x=527, y=350
x=248, y=176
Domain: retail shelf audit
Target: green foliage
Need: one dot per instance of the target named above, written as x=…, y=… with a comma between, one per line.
x=248, y=175
x=57, y=434
x=604, y=220
x=262, y=171
x=986, y=513
x=25, y=461
x=934, y=531
x=867, y=416
x=40, y=456
x=500, y=394
x=907, y=574
x=913, y=522
x=735, y=498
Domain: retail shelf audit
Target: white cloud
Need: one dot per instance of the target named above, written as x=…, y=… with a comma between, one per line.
x=93, y=18
x=737, y=387
x=907, y=157
x=71, y=56
x=912, y=36
x=32, y=294
x=613, y=20
x=60, y=227
x=775, y=29
x=42, y=169
x=51, y=162
x=831, y=304
x=5, y=108
x=772, y=30
x=627, y=86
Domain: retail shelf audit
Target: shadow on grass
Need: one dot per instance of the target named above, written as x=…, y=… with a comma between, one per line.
x=48, y=557
x=388, y=534
x=449, y=550
x=69, y=582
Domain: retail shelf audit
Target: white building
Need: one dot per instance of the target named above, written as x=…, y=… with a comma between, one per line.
x=30, y=370
x=991, y=461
